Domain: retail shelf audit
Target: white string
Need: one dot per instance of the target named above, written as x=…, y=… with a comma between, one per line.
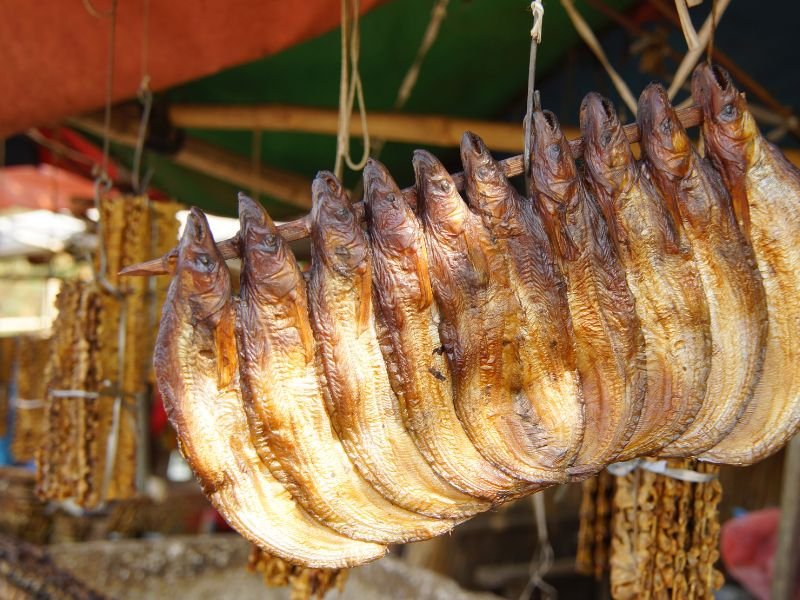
x=660, y=468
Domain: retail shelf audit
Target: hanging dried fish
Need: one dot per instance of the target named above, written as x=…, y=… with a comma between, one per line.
x=419, y=372
x=765, y=189
x=662, y=276
x=283, y=401
x=731, y=281
x=515, y=427
x=363, y=408
x=197, y=372
x=609, y=341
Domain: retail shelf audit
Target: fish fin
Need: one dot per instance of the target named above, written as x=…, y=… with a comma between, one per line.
x=225, y=344
x=304, y=330
x=553, y=224
x=364, y=300
x=423, y=277
x=741, y=209
x=477, y=258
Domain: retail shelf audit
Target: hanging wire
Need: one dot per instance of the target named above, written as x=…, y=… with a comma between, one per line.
x=350, y=90
x=102, y=182
x=532, y=98
x=145, y=95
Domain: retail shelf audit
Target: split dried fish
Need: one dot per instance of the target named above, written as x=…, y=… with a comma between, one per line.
x=509, y=423
x=609, y=342
x=283, y=401
x=197, y=373
x=420, y=374
x=725, y=261
x=765, y=189
x=362, y=406
x=662, y=276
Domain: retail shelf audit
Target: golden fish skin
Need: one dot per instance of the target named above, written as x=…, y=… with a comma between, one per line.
x=765, y=189
x=609, y=341
x=727, y=267
x=361, y=403
x=419, y=372
x=481, y=329
x=286, y=412
x=662, y=277
x=196, y=370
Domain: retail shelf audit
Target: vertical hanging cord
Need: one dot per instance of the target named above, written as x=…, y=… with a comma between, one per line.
x=145, y=96
x=350, y=90
x=102, y=182
x=532, y=99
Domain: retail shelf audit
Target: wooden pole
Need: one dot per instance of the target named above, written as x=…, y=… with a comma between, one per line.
x=433, y=130
x=213, y=161
x=787, y=556
x=301, y=228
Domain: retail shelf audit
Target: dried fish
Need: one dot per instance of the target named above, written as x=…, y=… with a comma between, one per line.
x=197, y=373
x=609, y=342
x=511, y=424
x=727, y=267
x=662, y=276
x=283, y=401
x=765, y=189
x=362, y=406
x=419, y=372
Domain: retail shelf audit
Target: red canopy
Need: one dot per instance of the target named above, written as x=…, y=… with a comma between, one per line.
x=55, y=53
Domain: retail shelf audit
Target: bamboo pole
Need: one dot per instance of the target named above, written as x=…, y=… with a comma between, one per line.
x=213, y=161
x=301, y=228
x=434, y=130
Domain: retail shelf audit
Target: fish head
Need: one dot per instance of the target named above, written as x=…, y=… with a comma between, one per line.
x=728, y=125
x=335, y=232
x=553, y=170
x=203, y=279
x=396, y=233
x=389, y=215
x=440, y=204
x=487, y=186
x=664, y=140
x=606, y=151
x=267, y=265
x=729, y=131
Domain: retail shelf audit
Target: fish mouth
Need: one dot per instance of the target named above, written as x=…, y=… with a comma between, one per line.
x=253, y=215
x=425, y=163
x=712, y=87
x=472, y=145
x=326, y=184
x=598, y=118
x=655, y=108
x=198, y=232
x=376, y=181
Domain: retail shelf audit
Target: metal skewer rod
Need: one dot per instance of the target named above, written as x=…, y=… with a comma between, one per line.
x=301, y=228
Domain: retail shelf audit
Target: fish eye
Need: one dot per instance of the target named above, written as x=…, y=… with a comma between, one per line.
x=205, y=261
x=444, y=186
x=605, y=139
x=342, y=213
x=728, y=112
x=270, y=242
x=554, y=151
x=484, y=172
x=666, y=126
